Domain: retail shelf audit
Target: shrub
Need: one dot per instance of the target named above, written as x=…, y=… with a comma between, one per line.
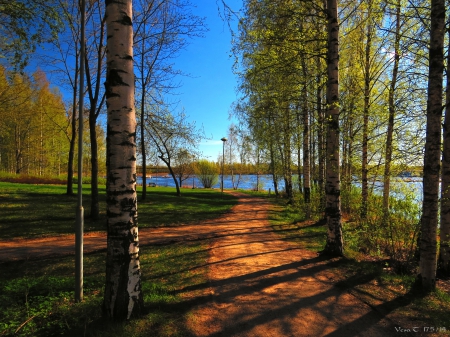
x=207, y=173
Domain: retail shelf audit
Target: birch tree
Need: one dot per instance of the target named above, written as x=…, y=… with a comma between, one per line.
x=444, y=253
x=123, y=296
x=334, y=245
x=431, y=167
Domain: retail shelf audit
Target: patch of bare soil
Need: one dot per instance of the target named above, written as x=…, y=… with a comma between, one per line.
x=259, y=284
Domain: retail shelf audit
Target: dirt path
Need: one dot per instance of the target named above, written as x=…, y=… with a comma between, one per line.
x=264, y=286
x=260, y=285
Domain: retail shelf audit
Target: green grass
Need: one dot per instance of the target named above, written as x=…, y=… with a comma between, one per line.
x=41, y=210
x=43, y=291
x=289, y=221
x=370, y=278
x=36, y=297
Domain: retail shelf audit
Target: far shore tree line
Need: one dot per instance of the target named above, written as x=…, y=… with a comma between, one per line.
x=344, y=98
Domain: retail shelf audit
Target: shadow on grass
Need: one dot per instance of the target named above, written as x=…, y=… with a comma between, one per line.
x=175, y=284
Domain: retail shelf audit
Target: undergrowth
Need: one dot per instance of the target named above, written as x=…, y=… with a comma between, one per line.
x=379, y=267
x=36, y=297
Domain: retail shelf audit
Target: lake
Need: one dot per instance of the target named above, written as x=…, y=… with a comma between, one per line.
x=247, y=182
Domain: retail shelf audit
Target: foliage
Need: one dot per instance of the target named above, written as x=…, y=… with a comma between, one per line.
x=24, y=25
x=207, y=172
x=396, y=239
x=33, y=125
x=173, y=137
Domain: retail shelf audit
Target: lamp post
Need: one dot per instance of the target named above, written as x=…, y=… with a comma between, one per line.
x=223, y=157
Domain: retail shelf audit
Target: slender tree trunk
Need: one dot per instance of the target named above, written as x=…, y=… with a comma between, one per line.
x=273, y=170
x=367, y=92
x=96, y=105
x=306, y=153
x=73, y=138
x=334, y=245
x=444, y=254
x=142, y=126
x=431, y=168
x=320, y=136
x=347, y=163
x=177, y=186
x=123, y=296
x=390, y=128
x=95, y=208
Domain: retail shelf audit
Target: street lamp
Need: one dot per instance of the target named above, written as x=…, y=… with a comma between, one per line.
x=223, y=157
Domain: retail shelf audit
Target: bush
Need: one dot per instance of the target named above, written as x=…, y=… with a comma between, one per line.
x=396, y=238
x=207, y=173
x=30, y=179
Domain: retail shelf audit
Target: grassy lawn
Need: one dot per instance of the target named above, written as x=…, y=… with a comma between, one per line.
x=35, y=210
x=36, y=297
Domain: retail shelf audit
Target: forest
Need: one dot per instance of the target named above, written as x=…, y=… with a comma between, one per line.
x=346, y=96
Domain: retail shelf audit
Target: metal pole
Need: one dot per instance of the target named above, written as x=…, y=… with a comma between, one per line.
x=79, y=227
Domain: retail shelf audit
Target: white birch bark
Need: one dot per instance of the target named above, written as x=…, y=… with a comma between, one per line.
x=123, y=296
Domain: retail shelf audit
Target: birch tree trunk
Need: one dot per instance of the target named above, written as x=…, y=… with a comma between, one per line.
x=321, y=137
x=390, y=128
x=444, y=254
x=334, y=245
x=306, y=153
x=73, y=127
x=367, y=94
x=123, y=297
x=431, y=168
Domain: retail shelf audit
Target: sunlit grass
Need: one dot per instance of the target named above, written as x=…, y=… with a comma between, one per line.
x=30, y=210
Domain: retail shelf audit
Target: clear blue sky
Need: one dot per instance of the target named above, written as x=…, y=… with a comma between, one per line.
x=207, y=95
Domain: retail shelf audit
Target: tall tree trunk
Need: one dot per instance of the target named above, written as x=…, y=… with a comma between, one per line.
x=96, y=104
x=123, y=296
x=73, y=138
x=367, y=91
x=95, y=208
x=347, y=161
x=142, y=126
x=334, y=245
x=320, y=138
x=431, y=167
x=306, y=153
x=273, y=169
x=444, y=254
x=390, y=128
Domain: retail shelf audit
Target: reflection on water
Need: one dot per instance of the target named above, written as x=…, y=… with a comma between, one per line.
x=399, y=186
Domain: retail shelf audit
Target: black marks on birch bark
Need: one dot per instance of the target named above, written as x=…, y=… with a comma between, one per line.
x=113, y=79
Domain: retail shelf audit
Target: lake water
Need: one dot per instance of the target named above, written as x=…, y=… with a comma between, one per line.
x=247, y=182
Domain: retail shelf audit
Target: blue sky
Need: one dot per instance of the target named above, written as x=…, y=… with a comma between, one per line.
x=209, y=92
x=207, y=95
